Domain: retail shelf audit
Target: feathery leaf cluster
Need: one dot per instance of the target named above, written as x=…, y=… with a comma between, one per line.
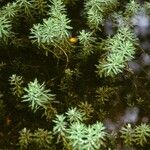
x=96, y=10
x=41, y=7
x=25, y=7
x=86, y=108
x=79, y=136
x=137, y=135
x=132, y=8
x=86, y=39
x=120, y=49
x=84, y=137
x=25, y=138
x=127, y=134
x=10, y=10
x=54, y=31
x=142, y=133
x=41, y=138
x=5, y=29
x=37, y=95
x=16, y=82
x=104, y=94
x=74, y=115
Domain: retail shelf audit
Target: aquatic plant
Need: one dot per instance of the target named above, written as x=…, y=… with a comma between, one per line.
x=75, y=134
x=96, y=11
x=132, y=8
x=25, y=7
x=25, y=138
x=42, y=138
x=54, y=31
x=142, y=134
x=82, y=137
x=5, y=29
x=16, y=83
x=104, y=94
x=10, y=11
x=75, y=115
x=127, y=134
x=87, y=40
x=83, y=51
x=37, y=95
x=120, y=49
x=137, y=135
x=86, y=108
x=60, y=125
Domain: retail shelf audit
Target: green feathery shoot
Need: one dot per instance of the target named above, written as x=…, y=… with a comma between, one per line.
x=96, y=10
x=82, y=137
x=37, y=95
x=10, y=10
x=120, y=49
x=132, y=8
x=54, y=32
x=86, y=39
x=42, y=138
x=40, y=7
x=127, y=134
x=75, y=115
x=26, y=7
x=16, y=82
x=60, y=125
x=25, y=138
x=142, y=134
x=5, y=29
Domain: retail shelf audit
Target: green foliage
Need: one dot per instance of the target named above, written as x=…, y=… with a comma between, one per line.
x=25, y=7
x=25, y=138
x=54, y=31
x=49, y=112
x=41, y=138
x=84, y=137
x=37, y=95
x=41, y=8
x=120, y=49
x=147, y=7
x=75, y=134
x=96, y=10
x=104, y=94
x=74, y=115
x=137, y=135
x=8, y=15
x=132, y=8
x=10, y=11
x=127, y=134
x=16, y=82
x=60, y=125
x=77, y=31
x=87, y=41
x=5, y=29
x=86, y=108
x=142, y=133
